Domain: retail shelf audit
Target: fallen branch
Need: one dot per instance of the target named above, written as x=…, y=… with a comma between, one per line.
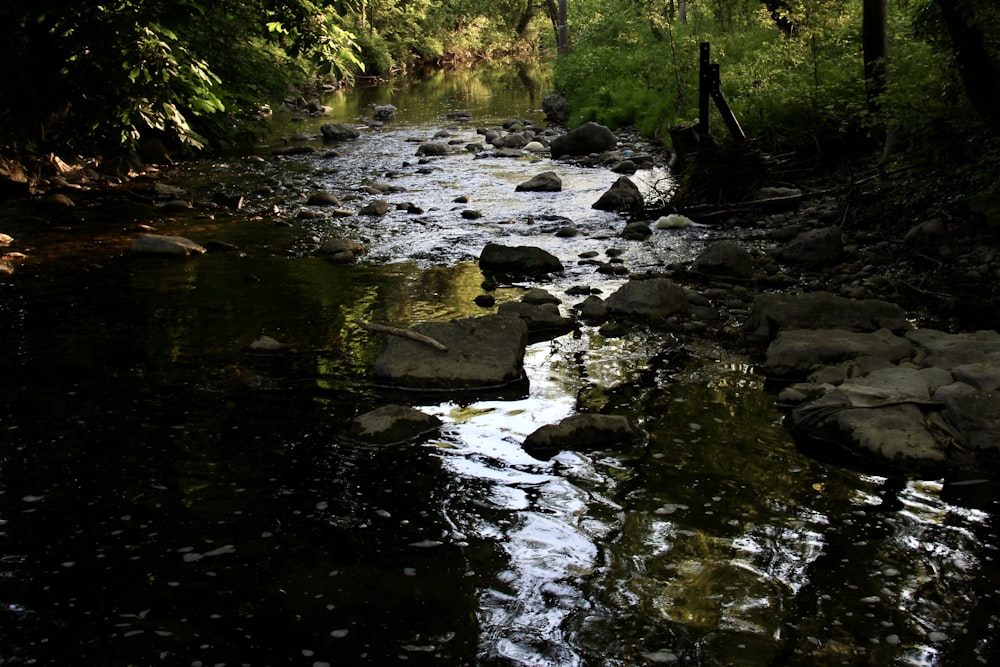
x=403, y=333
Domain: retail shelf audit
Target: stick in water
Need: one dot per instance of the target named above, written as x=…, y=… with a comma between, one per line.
x=404, y=333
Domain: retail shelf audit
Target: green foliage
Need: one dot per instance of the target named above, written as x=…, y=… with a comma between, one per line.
x=780, y=86
x=166, y=68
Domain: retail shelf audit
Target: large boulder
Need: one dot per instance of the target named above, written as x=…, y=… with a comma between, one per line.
x=772, y=313
x=482, y=353
x=384, y=112
x=519, y=260
x=938, y=409
x=584, y=432
x=948, y=351
x=339, y=132
x=813, y=248
x=793, y=355
x=725, y=260
x=556, y=108
x=584, y=140
x=166, y=246
x=392, y=424
x=653, y=299
x=623, y=195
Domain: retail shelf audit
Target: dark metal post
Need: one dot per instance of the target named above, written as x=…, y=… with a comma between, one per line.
x=704, y=89
x=732, y=124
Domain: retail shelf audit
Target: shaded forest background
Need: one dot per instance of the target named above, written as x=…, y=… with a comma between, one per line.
x=835, y=79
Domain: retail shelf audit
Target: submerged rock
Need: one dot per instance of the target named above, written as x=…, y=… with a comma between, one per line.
x=169, y=246
x=392, y=424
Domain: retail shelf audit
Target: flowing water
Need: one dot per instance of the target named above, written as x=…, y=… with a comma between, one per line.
x=168, y=498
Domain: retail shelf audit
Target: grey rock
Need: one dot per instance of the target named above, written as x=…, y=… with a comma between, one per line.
x=392, y=424
x=547, y=181
x=772, y=313
x=339, y=132
x=483, y=353
x=432, y=148
x=725, y=259
x=584, y=140
x=948, y=351
x=974, y=413
x=636, y=231
x=654, y=299
x=323, y=199
x=584, y=432
x=793, y=355
x=521, y=260
x=556, y=108
x=544, y=321
x=384, y=112
x=623, y=195
x=378, y=207
x=156, y=244
x=813, y=248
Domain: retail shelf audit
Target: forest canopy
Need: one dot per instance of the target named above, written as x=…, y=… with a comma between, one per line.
x=96, y=79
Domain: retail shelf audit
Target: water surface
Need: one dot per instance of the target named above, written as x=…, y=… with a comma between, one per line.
x=168, y=498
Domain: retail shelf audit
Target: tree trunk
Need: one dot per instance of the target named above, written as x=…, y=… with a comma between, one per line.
x=558, y=14
x=875, y=49
x=979, y=72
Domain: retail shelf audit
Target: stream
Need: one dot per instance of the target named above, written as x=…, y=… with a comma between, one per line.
x=167, y=498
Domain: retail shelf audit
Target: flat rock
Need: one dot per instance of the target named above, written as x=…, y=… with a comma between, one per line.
x=544, y=320
x=772, y=313
x=945, y=350
x=793, y=355
x=392, y=424
x=339, y=132
x=653, y=299
x=167, y=246
x=483, y=353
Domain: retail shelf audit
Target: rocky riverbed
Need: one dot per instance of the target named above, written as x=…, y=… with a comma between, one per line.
x=884, y=363
x=336, y=400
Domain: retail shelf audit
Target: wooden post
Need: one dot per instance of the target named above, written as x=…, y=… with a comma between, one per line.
x=727, y=114
x=704, y=89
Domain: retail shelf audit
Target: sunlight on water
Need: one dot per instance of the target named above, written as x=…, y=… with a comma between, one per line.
x=167, y=497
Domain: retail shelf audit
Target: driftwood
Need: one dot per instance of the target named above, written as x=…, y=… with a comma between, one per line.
x=403, y=333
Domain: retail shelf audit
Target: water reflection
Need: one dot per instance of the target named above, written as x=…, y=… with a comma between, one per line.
x=166, y=497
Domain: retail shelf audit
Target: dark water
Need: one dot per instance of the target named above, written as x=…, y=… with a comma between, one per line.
x=168, y=498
